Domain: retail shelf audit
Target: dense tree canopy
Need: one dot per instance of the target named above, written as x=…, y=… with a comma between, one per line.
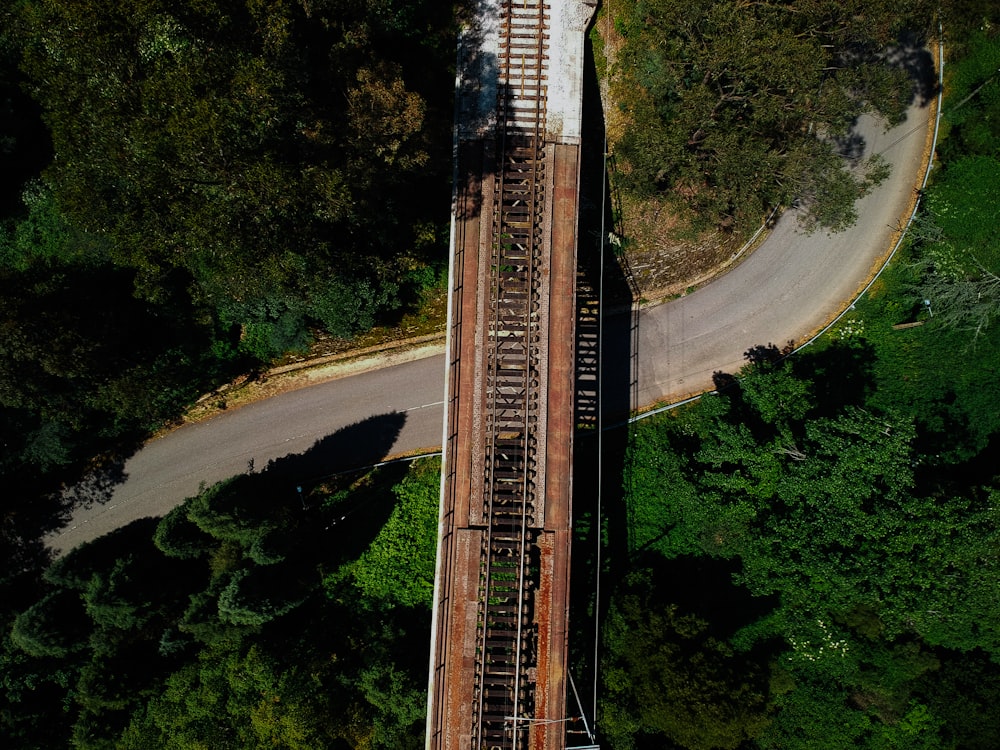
x=736, y=107
x=668, y=673
x=263, y=151
x=189, y=190
x=240, y=620
x=851, y=491
x=854, y=490
x=878, y=569
x=811, y=553
x=825, y=513
x=958, y=252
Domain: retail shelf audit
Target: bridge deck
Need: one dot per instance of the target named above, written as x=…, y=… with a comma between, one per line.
x=498, y=663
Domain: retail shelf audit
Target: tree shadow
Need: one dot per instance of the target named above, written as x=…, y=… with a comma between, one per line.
x=35, y=507
x=851, y=145
x=475, y=122
x=358, y=445
x=757, y=356
x=842, y=374
x=911, y=55
x=27, y=142
x=704, y=586
x=947, y=433
x=678, y=633
x=329, y=532
x=98, y=484
x=289, y=479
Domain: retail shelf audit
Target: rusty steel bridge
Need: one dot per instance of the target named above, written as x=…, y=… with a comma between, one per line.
x=498, y=661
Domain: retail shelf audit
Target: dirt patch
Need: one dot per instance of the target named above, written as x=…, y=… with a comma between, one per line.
x=662, y=255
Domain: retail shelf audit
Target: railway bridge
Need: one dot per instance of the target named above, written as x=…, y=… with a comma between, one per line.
x=501, y=599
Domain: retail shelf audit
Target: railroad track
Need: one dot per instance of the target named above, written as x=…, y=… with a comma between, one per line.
x=515, y=346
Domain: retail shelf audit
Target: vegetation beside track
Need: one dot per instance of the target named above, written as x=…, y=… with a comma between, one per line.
x=253, y=615
x=190, y=192
x=719, y=112
x=761, y=593
x=814, y=547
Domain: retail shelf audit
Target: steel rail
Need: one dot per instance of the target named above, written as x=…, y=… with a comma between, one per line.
x=513, y=344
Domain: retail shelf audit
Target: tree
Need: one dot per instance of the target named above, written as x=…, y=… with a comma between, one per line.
x=400, y=703
x=734, y=108
x=230, y=700
x=812, y=717
x=208, y=148
x=53, y=626
x=825, y=512
x=257, y=596
x=958, y=254
x=668, y=676
x=30, y=687
x=877, y=563
x=972, y=97
x=177, y=536
x=25, y=147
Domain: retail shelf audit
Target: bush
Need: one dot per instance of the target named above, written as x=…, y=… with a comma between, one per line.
x=54, y=626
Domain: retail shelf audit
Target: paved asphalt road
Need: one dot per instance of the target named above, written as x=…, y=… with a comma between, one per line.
x=791, y=285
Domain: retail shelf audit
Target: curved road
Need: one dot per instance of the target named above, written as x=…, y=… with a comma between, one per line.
x=790, y=286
